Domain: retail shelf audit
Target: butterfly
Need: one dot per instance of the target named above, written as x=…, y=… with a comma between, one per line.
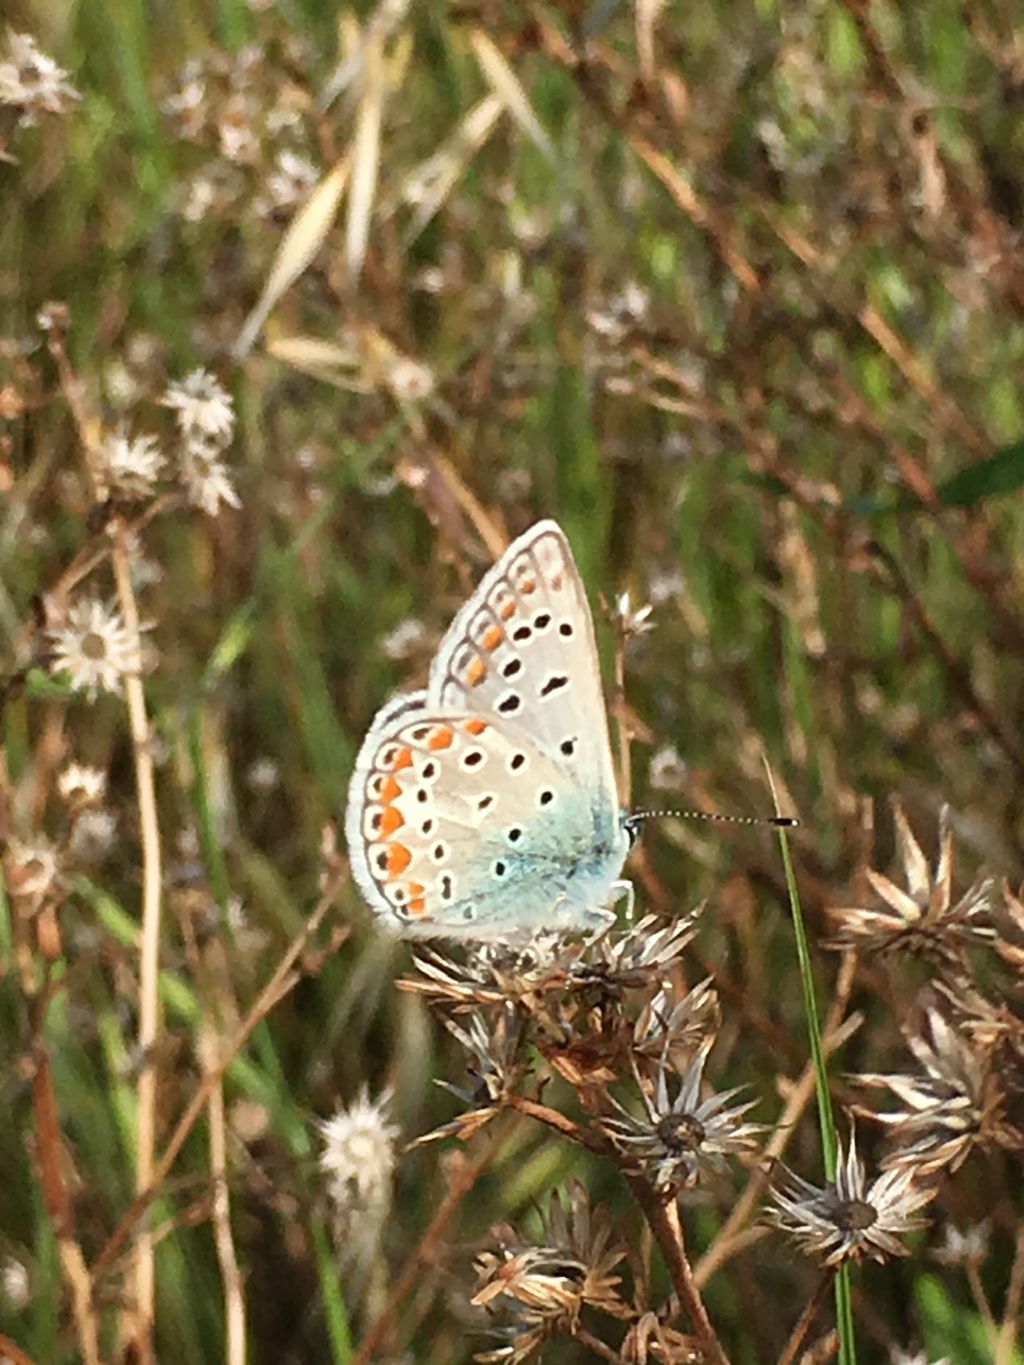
x=484, y=807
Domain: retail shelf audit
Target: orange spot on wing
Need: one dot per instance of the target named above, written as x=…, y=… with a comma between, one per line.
x=508, y=609
x=390, y=820
x=476, y=672
x=441, y=738
x=528, y=585
x=417, y=906
x=403, y=759
x=476, y=726
x=399, y=859
x=389, y=791
x=493, y=637
x=416, y=888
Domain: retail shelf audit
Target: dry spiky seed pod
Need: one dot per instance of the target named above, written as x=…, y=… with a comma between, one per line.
x=958, y=1100
x=849, y=1218
x=924, y=918
x=549, y=1282
x=681, y=1137
x=493, y=1045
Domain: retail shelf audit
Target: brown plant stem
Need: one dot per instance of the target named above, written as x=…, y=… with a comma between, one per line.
x=14, y=1354
x=596, y=1345
x=959, y=676
x=1012, y=1308
x=49, y=1150
x=664, y=1221
x=149, y=965
x=806, y=1319
x=662, y=1218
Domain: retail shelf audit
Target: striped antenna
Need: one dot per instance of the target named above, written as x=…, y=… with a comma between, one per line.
x=773, y=821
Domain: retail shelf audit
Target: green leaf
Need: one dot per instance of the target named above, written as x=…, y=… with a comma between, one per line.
x=1002, y=472
x=39, y=686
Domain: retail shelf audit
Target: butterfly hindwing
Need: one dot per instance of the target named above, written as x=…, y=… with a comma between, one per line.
x=464, y=826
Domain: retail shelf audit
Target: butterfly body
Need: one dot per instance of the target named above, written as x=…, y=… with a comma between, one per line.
x=484, y=806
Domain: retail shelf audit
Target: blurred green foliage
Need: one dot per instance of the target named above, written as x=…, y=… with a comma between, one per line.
x=778, y=395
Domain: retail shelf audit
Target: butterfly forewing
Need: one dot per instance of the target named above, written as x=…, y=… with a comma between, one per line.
x=523, y=647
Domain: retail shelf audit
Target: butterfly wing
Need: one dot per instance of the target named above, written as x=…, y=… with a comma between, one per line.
x=458, y=825
x=523, y=648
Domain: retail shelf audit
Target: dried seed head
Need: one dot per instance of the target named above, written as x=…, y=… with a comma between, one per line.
x=80, y=785
x=205, y=476
x=33, y=82
x=957, y=1100
x=682, y=1137
x=130, y=465
x=924, y=918
x=94, y=647
x=203, y=409
x=850, y=1218
x=548, y=1285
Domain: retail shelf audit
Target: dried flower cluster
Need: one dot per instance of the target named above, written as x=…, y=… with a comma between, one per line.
x=968, y=1090
x=614, y=1018
x=548, y=1279
x=205, y=416
x=358, y=1162
x=925, y=918
x=969, y=1045
x=31, y=82
x=253, y=122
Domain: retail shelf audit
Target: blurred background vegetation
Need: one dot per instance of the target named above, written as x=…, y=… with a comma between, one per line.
x=734, y=291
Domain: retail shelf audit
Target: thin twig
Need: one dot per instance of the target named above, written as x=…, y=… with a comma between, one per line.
x=284, y=979
x=227, y=1256
x=664, y=1221
x=1012, y=1308
x=596, y=1345
x=462, y=1181
x=806, y=1319
x=14, y=1354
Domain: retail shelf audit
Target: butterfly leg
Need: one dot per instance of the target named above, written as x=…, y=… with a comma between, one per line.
x=622, y=888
